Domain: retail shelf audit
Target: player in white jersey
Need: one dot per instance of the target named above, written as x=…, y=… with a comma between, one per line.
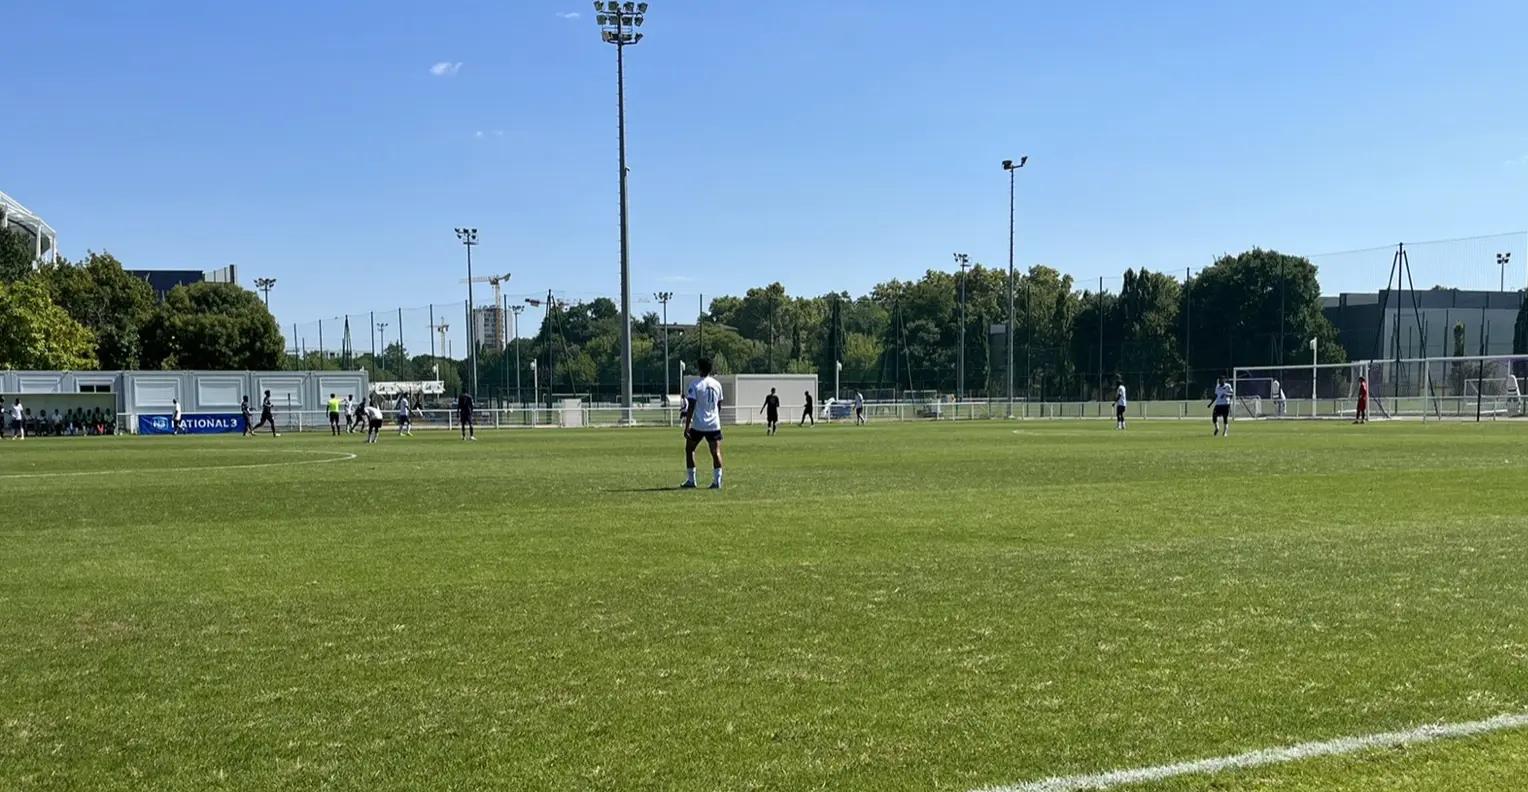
x=859, y=409
x=175, y=420
x=703, y=421
x=18, y=421
x=405, y=418
x=1221, y=417
x=1120, y=403
x=373, y=415
x=348, y=407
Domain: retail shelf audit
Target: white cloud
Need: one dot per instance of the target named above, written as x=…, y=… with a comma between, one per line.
x=569, y=14
x=498, y=133
x=478, y=134
x=446, y=69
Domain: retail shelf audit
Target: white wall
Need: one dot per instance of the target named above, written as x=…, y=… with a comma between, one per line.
x=744, y=394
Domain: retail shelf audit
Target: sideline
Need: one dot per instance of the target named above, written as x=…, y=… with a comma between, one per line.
x=338, y=456
x=1271, y=756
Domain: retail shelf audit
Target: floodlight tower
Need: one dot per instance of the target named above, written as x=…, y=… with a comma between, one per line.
x=618, y=23
x=264, y=286
x=469, y=238
x=1012, y=168
x=964, y=262
x=664, y=297
x=1502, y=259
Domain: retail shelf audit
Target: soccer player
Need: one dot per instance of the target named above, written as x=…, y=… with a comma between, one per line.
x=1279, y=402
x=176, y=418
x=1362, y=416
x=249, y=417
x=373, y=415
x=1120, y=403
x=334, y=414
x=1221, y=417
x=405, y=421
x=267, y=416
x=807, y=414
x=464, y=414
x=360, y=416
x=771, y=410
x=18, y=421
x=348, y=408
x=703, y=421
x=859, y=408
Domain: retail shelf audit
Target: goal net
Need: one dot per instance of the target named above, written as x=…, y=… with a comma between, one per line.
x=1455, y=388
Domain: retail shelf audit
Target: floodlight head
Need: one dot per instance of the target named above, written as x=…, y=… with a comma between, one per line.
x=641, y=8
x=607, y=36
x=636, y=38
x=599, y=5
x=631, y=7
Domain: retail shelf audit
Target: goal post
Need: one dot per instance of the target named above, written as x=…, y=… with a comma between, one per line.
x=1326, y=390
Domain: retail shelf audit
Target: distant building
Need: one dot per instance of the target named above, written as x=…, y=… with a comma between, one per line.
x=1366, y=335
x=162, y=281
x=17, y=218
x=488, y=321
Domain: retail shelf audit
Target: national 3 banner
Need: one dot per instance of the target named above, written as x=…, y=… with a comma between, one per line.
x=204, y=423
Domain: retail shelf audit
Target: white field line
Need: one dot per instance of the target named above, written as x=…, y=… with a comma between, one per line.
x=339, y=456
x=1269, y=756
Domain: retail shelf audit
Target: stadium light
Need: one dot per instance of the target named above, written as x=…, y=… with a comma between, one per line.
x=616, y=24
x=264, y=286
x=1501, y=261
x=964, y=262
x=1012, y=168
x=664, y=297
x=469, y=238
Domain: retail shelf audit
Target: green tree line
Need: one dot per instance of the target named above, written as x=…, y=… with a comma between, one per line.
x=92, y=314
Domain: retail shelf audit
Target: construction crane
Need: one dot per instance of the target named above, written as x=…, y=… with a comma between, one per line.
x=497, y=282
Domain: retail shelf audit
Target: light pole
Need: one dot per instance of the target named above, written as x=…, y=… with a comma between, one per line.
x=382, y=333
x=964, y=262
x=469, y=237
x=515, y=311
x=1012, y=168
x=264, y=286
x=664, y=298
x=535, y=383
x=838, y=370
x=618, y=22
x=1501, y=261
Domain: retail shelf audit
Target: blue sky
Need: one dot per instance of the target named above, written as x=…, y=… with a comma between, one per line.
x=824, y=145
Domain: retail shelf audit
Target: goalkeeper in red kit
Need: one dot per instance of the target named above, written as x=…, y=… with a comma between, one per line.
x=1363, y=401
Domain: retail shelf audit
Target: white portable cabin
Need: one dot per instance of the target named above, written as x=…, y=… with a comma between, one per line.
x=744, y=394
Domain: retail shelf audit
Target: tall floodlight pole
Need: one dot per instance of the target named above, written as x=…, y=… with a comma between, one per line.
x=664, y=297
x=264, y=286
x=964, y=262
x=1012, y=168
x=1501, y=261
x=515, y=312
x=469, y=238
x=618, y=23
x=382, y=333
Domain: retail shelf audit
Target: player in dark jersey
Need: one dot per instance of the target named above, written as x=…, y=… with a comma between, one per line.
x=806, y=414
x=267, y=416
x=249, y=417
x=464, y=414
x=771, y=410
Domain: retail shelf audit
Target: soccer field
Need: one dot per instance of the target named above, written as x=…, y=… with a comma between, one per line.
x=892, y=607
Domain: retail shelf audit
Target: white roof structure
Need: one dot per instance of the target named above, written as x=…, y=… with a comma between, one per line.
x=44, y=238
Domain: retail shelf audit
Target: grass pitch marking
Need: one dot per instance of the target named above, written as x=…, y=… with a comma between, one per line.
x=1270, y=756
x=336, y=456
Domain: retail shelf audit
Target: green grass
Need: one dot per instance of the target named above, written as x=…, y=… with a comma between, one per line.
x=896, y=607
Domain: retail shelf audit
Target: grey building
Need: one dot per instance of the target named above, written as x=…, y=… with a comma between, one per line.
x=1426, y=326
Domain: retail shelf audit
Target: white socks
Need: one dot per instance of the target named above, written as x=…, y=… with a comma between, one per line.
x=690, y=476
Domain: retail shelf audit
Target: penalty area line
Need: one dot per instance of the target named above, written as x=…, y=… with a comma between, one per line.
x=1270, y=756
x=339, y=456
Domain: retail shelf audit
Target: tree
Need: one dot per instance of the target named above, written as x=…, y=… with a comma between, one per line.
x=1235, y=305
x=36, y=334
x=1520, y=327
x=16, y=255
x=215, y=326
x=102, y=296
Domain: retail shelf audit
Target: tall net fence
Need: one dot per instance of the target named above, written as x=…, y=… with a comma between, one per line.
x=1165, y=334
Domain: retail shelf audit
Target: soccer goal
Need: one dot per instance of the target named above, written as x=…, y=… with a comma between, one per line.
x=1327, y=390
x=1455, y=388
